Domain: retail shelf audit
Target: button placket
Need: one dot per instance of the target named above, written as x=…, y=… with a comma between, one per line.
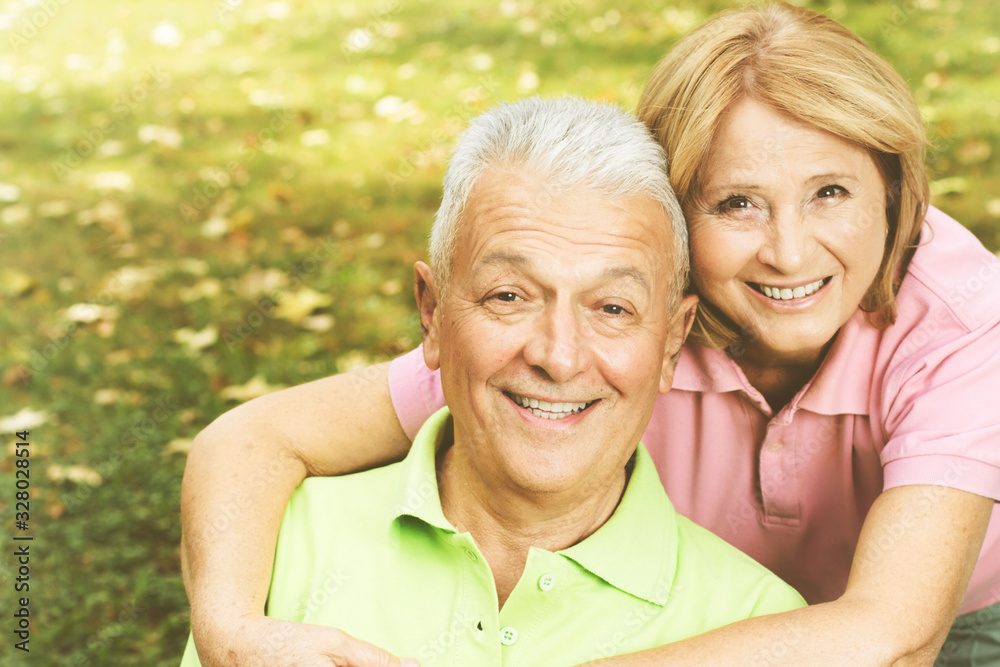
x=779, y=484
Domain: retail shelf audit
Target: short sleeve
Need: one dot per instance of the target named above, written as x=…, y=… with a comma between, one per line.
x=190, y=658
x=415, y=390
x=943, y=421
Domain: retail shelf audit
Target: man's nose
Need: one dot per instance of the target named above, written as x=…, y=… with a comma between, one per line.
x=560, y=346
x=788, y=242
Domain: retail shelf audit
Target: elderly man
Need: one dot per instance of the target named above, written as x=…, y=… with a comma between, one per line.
x=526, y=526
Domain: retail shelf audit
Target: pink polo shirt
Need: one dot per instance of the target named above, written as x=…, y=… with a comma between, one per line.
x=917, y=403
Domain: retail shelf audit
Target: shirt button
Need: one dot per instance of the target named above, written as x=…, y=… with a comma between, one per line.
x=546, y=581
x=775, y=447
x=472, y=555
x=508, y=635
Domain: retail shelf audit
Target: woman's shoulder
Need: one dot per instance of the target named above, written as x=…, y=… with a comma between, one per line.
x=951, y=271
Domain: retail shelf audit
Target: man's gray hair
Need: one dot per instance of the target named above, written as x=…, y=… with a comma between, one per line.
x=567, y=143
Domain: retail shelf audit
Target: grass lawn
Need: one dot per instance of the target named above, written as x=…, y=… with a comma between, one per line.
x=203, y=201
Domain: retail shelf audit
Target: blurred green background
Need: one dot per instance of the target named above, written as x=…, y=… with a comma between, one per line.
x=201, y=201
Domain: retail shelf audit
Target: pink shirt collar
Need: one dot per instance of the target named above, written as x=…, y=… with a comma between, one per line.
x=836, y=389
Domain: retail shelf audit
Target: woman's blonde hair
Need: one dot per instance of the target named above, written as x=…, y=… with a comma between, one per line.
x=810, y=68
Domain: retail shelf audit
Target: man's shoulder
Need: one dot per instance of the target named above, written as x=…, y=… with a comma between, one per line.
x=345, y=498
x=727, y=576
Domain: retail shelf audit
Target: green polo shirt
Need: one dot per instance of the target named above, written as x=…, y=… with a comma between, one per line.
x=373, y=554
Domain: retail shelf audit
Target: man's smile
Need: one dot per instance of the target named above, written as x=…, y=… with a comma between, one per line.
x=549, y=409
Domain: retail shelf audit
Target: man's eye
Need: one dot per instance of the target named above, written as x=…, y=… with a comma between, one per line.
x=830, y=191
x=613, y=309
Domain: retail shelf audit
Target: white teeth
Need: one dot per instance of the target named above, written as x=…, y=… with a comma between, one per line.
x=547, y=410
x=783, y=293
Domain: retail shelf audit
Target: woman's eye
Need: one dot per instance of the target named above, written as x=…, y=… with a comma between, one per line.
x=735, y=204
x=505, y=296
x=613, y=309
x=830, y=191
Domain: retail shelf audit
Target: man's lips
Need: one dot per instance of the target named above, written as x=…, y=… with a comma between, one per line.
x=549, y=409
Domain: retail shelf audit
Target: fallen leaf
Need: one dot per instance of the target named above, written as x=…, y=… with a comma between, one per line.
x=256, y=282
x=203, y=289
x=54, y=209
x=15, y=374
x=78, y=474
x=106, y=396
x=111, y=180
x=167, y=137
x=280, y=192
x=257, y=386
x=352, y=361
x=294, y=306
x=24, y=419
x=9, y=192
x=319, y=323
x=85, y=313
x=14, y=282
x=196, y=341
x=15, y=216
x=178, y=446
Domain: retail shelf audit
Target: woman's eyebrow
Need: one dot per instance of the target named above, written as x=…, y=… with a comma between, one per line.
x=832, y=176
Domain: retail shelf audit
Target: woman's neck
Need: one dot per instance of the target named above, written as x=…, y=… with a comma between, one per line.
x=778, y=378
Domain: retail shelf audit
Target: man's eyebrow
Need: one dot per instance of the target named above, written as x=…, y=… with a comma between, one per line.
x=627, y=272
x=521, y=261
x=506, y=257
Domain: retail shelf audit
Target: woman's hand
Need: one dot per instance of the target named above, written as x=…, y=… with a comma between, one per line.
x=911, y=567
x=270, y=642
x=240, y=473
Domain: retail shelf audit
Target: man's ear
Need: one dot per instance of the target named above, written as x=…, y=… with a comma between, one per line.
x=426, y=292
x=679, y=330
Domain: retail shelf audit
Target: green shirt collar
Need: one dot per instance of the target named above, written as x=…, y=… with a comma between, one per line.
x=635, y=550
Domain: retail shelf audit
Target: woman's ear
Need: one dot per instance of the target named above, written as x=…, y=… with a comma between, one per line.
x=427, y=302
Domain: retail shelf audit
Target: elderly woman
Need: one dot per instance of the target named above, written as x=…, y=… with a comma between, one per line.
x=832, y=414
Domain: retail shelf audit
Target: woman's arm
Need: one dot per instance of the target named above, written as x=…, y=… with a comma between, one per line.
x=240, y=473
x=916, y=553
